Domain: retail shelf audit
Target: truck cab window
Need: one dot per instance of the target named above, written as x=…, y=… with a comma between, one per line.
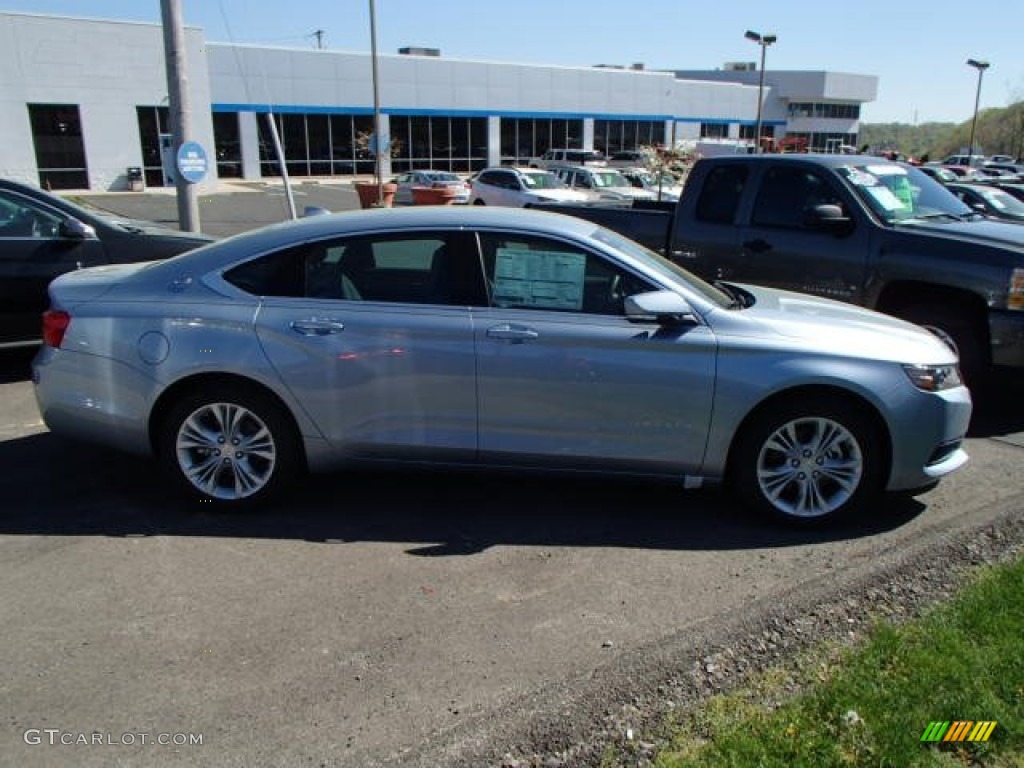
x=720, y=198
x=789, y=195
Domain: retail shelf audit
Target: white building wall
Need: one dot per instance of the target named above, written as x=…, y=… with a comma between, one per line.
x=107, y=68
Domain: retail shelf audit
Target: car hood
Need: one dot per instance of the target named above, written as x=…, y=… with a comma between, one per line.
x=561, y=195
x=831, y=327
x=149, y=229
x=1000, y=233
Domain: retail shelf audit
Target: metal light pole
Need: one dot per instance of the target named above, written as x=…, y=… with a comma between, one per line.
x=376, y=102
x=764, y=41
x=981, y=66
x=180, y=107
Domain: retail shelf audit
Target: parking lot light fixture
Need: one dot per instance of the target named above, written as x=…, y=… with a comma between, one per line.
x=981, y=66
x=764, y=41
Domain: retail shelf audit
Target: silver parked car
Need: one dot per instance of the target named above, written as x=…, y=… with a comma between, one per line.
x=490, y=336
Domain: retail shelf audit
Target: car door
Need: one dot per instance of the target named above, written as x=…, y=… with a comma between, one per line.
x=783, y=246
x=564, y=379
x=34, y=249
x=405, y=183
x=503, y=186
x=373, y=337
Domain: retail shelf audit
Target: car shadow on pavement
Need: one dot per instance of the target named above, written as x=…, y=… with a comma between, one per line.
x=60, y=488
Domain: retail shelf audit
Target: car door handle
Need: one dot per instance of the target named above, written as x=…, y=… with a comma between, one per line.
x=514, y=332
x=317, y=327
x=757, y=246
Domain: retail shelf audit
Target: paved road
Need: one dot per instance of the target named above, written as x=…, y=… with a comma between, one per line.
x=379, y=620
x=372, y=614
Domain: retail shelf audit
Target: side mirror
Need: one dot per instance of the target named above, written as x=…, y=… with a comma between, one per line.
x=662, y=307
x=830, y=218
x=314, y=210
x=73, y=229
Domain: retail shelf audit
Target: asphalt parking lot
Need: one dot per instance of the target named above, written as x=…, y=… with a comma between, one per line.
x=228, y=207
x=372, y=619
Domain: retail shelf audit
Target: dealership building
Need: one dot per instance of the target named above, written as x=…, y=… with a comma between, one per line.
x=84, y=101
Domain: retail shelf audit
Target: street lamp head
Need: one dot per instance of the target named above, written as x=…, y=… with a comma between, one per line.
x=768, y=39
x=978, y=65
x=752, y=36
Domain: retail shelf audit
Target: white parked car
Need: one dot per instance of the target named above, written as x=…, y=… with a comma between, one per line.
x=519, y=187
x=667, y=187
x=435, y=179
x=568, y=156
x=607, y=183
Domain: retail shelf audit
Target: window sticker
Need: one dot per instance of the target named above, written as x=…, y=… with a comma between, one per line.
x=886, y=198
x=886, y=170
x=860, y=178
x=539, y=279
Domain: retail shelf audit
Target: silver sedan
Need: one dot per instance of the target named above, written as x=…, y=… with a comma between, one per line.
x=492, y=337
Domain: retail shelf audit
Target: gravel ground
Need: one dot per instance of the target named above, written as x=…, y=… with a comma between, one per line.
x=572, y=724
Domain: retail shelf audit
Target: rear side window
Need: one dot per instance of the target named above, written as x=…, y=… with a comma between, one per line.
x=419, y=268
x=720, y=198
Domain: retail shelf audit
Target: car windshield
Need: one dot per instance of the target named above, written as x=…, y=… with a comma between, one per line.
x=662, y=266
x=898, y=194
x=441, y=176
x=1002, y=201
x=604, y=179
x=542, y=181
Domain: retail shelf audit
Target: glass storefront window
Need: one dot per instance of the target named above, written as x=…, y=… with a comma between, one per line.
x=227, y=145
x=60, y=152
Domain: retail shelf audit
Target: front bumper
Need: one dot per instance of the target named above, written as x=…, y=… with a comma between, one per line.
x=928, y=435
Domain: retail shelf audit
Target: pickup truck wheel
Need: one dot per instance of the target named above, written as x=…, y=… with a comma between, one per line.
x=478, y=201
x=229, y=448
x=956, y=329
x=808, y=462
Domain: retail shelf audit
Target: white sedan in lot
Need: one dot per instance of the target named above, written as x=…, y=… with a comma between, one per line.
x=519, y=187
x=491, y=337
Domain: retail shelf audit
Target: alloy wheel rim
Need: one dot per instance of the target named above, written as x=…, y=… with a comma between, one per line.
x=226, y=451
x=809, y=467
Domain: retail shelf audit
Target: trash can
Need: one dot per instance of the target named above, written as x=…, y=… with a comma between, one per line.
x=136, y=181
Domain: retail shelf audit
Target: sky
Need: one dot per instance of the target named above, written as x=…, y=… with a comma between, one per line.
x=917, y=48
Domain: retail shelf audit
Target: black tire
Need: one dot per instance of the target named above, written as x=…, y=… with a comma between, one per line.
x=955, y=326
x=204, y=428
x=478, y=201
x=809, y=462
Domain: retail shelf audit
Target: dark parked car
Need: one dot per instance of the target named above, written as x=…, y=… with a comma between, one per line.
x=43, y=236
x=989, y=200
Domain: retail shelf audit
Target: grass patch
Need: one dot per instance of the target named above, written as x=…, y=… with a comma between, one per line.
x=869, y=706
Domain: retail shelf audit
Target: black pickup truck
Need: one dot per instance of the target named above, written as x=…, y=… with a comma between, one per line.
x=855, y=228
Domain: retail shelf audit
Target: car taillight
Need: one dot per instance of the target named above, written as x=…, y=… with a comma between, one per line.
x=55, y=323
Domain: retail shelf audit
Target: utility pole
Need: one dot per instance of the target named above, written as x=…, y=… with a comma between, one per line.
x=180, y=107
x=319, y=35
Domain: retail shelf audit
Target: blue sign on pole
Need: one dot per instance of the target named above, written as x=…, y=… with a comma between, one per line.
x=193, y=164
x=373, y=145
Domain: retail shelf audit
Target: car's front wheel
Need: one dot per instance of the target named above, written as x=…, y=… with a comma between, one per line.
x=809, y=461
x=227, y=446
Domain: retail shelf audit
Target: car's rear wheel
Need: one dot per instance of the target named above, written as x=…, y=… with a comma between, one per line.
x=228, y=447
x=809, y=461
x=478, y=201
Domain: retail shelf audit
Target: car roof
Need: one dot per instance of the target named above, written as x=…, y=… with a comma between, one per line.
x=515, y=169
x=829, y=161
x=372, y=221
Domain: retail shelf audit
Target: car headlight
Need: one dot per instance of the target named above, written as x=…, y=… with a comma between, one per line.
x=1015, y=296
x=933, y=378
